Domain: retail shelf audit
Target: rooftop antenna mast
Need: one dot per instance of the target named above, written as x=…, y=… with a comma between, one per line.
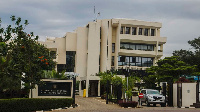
x=96, y=15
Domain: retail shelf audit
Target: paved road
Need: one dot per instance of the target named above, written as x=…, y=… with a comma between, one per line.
x=93, y=104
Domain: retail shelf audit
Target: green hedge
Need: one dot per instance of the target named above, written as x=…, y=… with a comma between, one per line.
x=33, y=104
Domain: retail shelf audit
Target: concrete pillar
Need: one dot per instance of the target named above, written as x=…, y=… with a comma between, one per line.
x=99, y=88
x=154, y=61
x=161, y=47
x=109, y=58
x=156, y=31
x=80, y=91
x=137, y=30
x=130, y=30
x=117, y=45
x=87, y=86
x=104, y=39
x=156, y=52
x=149, y=31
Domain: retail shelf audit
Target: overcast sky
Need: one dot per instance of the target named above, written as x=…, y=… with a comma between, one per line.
x=53, y=18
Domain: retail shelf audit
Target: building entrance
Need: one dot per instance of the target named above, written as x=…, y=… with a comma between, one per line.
x=93, y=88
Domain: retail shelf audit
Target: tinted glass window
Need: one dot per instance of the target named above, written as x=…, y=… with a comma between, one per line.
x=152, y=32
x=127, y=30
x=70, y=61
x=133, y=31
x=121, y=30
x=113, y=47
x=140, y=31
x=146, y=32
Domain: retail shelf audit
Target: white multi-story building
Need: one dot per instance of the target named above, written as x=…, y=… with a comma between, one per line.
x=105, y=44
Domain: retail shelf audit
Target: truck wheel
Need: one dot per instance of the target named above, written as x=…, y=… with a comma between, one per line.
x=163, y=105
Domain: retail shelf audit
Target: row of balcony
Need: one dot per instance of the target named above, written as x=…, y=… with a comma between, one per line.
x=142, y=39
x=143, y=53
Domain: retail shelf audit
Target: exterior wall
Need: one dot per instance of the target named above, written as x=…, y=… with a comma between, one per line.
x=141, y=39
x=90, y=48
x=188, y=94
x=117, y=44
x=136, y=22
x=81, y=51
x=109, y=45
x=93, y=51
x=61, y=50
x=71, y=41
x=35, y=91
x=104, y=39
x=175, y=95
x=93, y=48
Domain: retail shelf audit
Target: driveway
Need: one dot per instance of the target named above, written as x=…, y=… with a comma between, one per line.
x=95, y=104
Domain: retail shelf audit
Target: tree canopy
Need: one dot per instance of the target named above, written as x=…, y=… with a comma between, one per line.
x=169, y=68
x=22, y=58
x=192, y=56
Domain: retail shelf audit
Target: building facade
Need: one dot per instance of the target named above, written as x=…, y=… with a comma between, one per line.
x=104, y=45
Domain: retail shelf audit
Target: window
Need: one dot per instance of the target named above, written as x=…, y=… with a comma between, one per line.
x=132, y=46
x=138, y=47
x=146, y=32
x=143, y=47
x=138, y=61
x=119, y=61
x=132, y=61
x=126, y=61
x=99, y=62
x=150, y=62
x=83, y=84
x=150, y=47
x=100, y=32
x=107, y=51
x=113, y=61
x=135, y=61
x=133, y=31
x=53, y=54
x=122, y=30
x=127, y=30
x=140, y=31
x=126, y=46
x=147, y=62
x=61, y=67
x=152, y=32
x=144, y=62
x=122, y=58
x=113, y=47
x=70, y=61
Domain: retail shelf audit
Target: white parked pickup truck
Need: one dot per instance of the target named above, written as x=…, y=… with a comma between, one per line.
x=152, y=96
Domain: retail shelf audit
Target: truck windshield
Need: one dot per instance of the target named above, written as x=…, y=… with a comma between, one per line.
x=153, y=92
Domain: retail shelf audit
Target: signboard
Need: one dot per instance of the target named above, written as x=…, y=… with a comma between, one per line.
x=55, y=89
x=141, y=95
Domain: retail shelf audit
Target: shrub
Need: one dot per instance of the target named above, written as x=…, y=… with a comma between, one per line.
x=34, y=104
x=127, y=104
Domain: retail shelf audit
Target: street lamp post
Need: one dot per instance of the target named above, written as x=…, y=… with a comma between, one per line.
x=127, y=74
